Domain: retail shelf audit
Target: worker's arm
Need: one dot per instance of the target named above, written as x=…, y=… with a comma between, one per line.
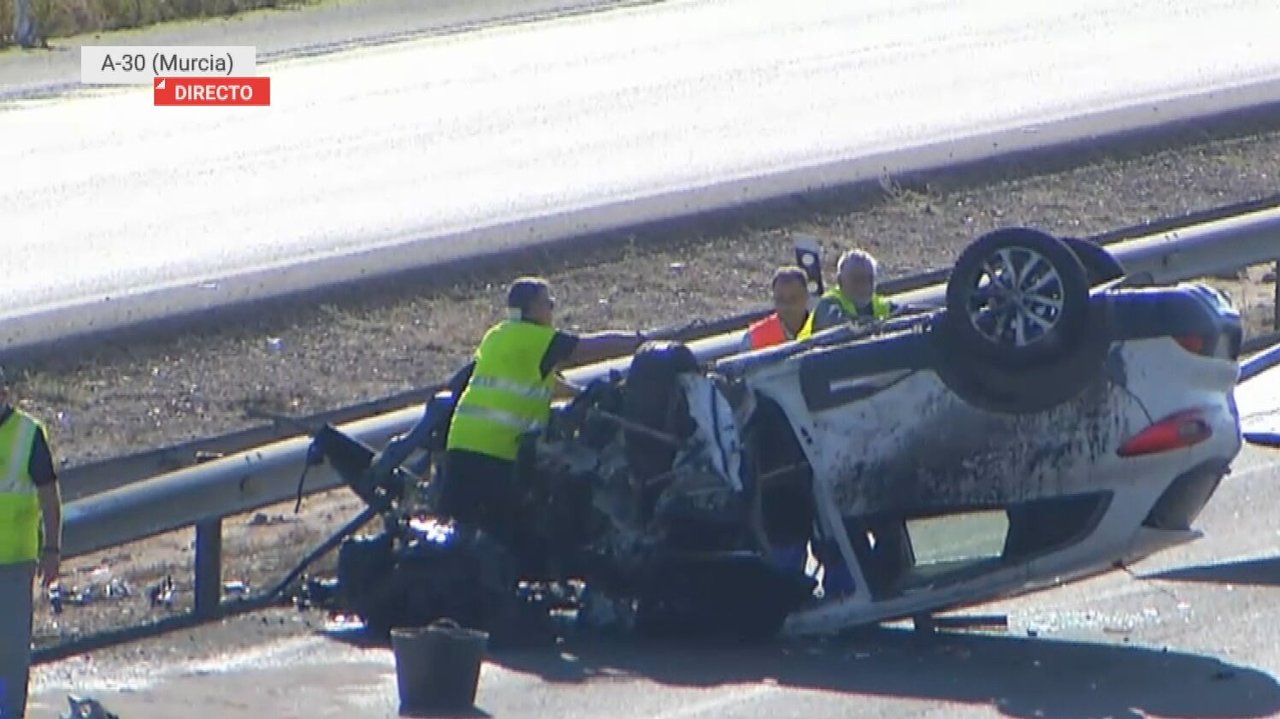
x=51, y=552
x=567, y=348
x=604, y=345
x=903, y=310
x=50, y=497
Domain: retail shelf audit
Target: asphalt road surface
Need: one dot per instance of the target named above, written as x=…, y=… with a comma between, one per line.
x=298, y=31
x=413, y=145
x=1258, y=398
x=1194, y=632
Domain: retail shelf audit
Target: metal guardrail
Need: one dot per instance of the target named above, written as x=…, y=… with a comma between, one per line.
x=104, y=475
x=1261, y=361
x=204, y=494
x=1253, y=238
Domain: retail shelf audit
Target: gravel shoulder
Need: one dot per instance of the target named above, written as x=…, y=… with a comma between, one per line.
x=119, y=398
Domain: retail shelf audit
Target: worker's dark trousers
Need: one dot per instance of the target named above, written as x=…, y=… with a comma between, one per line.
x=16, y=586
x=24, y=27
x=479, y=490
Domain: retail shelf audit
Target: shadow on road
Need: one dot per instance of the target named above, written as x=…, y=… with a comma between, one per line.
x=1258, y=572
x=1022, y=677
x=472, y=713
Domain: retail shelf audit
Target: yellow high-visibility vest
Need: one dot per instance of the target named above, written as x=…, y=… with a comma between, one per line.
x=19, y=504
x=507, y=395
x=881, y=308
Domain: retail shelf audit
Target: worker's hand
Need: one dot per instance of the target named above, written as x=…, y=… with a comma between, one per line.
x=50, y=566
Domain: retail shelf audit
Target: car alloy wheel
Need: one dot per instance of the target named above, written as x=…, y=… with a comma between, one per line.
x=1019, y=298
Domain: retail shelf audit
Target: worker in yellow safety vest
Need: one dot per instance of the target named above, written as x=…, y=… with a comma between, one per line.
x=509, y=394
x=790, y=287
x=853, y=297
x=30, y=542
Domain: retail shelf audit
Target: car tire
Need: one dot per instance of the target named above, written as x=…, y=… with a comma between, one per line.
x=1099, y=264
x=653, y=398
x=1010, y=391
x=1017, y=321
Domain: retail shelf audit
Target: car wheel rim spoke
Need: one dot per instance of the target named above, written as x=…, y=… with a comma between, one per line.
x=1033, y=263
x=1008, y=268
x=1046, y=280
x=1035, y=319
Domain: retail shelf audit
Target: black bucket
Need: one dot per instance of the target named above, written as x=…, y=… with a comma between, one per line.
x=438, y=666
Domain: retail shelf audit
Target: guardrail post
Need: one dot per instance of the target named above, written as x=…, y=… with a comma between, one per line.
x=208, y=591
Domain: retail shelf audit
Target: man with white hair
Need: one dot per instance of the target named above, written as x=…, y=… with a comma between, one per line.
x=853, y=297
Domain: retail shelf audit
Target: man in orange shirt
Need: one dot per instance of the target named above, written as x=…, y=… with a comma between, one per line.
x=787, y=510
x=791, y=310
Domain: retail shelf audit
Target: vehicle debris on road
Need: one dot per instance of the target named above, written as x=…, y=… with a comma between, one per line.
x=83, y=708
x=100, y=586
x=162, y=594
x=262, y=519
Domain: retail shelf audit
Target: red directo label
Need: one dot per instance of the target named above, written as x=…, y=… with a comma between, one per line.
x=211, y=91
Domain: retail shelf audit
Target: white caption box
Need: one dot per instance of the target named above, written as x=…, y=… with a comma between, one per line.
x=140, y=64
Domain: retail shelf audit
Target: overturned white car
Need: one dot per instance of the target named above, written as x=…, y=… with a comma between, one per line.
x=1049, y=422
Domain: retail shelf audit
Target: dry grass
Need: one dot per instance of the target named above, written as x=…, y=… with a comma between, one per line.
x=65, y=18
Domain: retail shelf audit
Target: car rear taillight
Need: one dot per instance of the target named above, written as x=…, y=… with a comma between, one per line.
x=1183, y=429
x=1194, y=344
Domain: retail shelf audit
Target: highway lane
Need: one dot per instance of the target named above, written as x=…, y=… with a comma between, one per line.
x=429, y=150
x=299, y=31
x=1193, y=632
x=1258, y=398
